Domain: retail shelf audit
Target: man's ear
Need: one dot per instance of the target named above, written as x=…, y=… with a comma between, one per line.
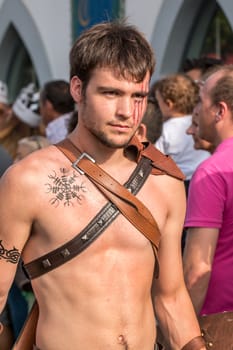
x=221, y=111
x=76, y=89
x=141, y=133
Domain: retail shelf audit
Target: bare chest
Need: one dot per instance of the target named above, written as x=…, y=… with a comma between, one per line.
x=70, y=201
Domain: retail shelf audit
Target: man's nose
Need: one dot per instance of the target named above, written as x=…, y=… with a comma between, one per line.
x=125, y=107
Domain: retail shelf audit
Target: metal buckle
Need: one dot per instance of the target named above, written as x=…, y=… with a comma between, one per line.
x=83, y=155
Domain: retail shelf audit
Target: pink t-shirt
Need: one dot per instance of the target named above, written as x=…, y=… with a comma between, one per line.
x=210, y=204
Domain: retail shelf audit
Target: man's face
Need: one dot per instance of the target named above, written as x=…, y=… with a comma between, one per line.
x=112, y=107
x=193, y=130
x=5, y=114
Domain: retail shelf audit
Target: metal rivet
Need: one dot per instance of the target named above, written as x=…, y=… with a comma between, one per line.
x=85, y=238
x=100, y=222
x=46, y=263
x=141, y=173
x=65, y=253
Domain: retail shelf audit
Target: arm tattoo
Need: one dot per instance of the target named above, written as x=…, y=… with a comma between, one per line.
x=64, y=188
x=11, y=255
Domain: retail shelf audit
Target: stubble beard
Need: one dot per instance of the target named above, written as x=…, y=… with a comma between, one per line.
x=101, y=136
x=107, y=141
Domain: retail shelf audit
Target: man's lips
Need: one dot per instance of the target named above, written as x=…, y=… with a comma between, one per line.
x=120, y=126
x=123, y=126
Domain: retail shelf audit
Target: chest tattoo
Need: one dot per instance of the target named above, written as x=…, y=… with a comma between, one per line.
x=64, y=188
x=11, y=255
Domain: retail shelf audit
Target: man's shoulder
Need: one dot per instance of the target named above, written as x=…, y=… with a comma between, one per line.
x=29, y=169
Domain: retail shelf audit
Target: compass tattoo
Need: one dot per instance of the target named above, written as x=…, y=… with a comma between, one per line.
x=12, y=255
x=64, y=188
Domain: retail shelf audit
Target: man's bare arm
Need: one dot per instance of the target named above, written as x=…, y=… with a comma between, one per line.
x=10, y=255
x=173, y=306
x=14, y=228
x=198, y=258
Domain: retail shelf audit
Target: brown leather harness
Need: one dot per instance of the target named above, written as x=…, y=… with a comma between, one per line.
x=122, y=200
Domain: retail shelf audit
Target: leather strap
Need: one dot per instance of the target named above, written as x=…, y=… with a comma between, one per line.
x=97, y=225
x=161, y=164
x=196, y=343
x=133, y=209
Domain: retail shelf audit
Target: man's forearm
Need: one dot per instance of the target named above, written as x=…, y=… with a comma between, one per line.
x=197, y=298
x=178, y=323
x=198, y=292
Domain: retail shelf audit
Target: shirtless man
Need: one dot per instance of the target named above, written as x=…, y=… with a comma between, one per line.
x=101, y=299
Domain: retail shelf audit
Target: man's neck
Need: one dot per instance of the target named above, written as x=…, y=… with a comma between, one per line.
x=102, y=154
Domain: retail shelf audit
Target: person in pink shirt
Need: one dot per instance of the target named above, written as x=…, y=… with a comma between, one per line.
x=208, y=254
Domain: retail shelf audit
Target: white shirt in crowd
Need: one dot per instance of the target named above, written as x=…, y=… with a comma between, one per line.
x=57, y=130
x=176, y=143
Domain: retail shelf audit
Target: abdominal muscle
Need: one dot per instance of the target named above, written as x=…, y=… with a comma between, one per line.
x=98, y=301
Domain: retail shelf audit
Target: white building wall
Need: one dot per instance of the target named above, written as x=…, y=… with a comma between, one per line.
x=45, y=26
x=143, y=14
x=53, y=21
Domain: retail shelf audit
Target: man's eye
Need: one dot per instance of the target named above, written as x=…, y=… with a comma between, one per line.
x=110, y=93
x=139, y=98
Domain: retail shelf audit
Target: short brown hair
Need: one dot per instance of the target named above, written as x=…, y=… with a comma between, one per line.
x=58, y=93
x=181, y=90
x=223, y=88
x=116, y=45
